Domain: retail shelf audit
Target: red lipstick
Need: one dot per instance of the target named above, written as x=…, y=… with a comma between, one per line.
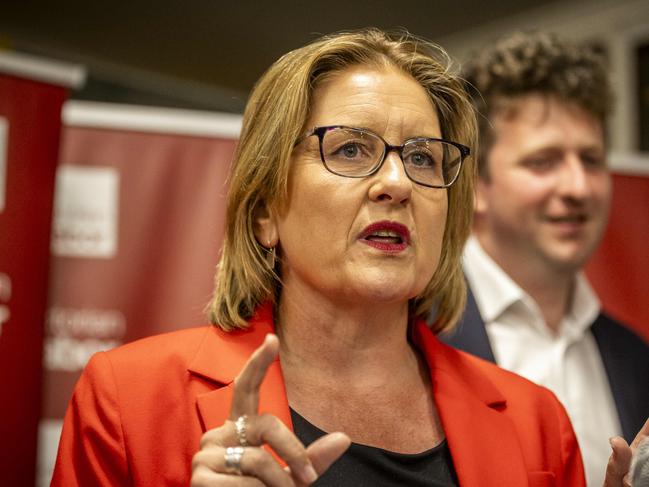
x=391, y=237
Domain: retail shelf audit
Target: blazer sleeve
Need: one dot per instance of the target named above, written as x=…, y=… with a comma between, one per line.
x=91, y=450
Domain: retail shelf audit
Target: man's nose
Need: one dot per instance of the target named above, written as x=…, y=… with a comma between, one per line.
x=573, y=179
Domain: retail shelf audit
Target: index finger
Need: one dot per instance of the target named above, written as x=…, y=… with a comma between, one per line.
x=245, y=399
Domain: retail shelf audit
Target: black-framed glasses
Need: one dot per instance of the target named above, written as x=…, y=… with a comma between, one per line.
x=357, y=153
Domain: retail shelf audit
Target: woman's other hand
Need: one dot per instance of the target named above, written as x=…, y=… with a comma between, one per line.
x=619, y=463
x=250, y=464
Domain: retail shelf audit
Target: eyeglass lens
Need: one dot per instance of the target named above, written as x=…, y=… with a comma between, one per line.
x=357, y=153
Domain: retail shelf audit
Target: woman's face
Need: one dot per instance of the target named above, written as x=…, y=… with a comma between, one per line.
x=375, y=239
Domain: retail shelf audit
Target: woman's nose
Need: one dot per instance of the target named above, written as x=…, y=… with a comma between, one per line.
x=390, y=182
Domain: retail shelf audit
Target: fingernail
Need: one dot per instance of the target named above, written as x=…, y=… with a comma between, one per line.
x=309, y=474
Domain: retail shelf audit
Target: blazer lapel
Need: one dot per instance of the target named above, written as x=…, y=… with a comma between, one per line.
x=483, y=442
x=214, y=406
x=623, y=355
x=221, y=357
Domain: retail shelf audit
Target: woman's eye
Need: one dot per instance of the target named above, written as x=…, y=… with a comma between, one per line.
x=421, y=159
x=349, y=150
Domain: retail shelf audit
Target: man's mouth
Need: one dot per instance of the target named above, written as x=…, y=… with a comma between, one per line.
x=574, y=219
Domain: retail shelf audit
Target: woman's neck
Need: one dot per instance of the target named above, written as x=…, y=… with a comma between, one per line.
x=359, y=358
x=319, y=336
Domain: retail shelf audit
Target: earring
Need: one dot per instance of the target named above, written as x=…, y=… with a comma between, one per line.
x=271, y=256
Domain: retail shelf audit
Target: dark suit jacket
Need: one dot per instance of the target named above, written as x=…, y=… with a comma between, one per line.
x=624, y=354
x=138, y=412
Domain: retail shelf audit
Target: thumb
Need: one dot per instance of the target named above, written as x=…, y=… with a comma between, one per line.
x=619, y=463
x=326, y=450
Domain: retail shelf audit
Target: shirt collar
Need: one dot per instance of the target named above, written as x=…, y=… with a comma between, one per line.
x=585, y=306
x=493, y=289
x=496, y=293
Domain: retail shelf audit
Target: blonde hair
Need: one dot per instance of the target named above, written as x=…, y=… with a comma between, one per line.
x=274, y=118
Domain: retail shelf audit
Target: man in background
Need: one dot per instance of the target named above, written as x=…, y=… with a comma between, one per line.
x=542, y=203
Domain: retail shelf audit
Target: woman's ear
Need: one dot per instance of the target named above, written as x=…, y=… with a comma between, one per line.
x=265, y=225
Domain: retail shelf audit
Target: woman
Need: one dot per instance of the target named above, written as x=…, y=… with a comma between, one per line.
x=348, y=208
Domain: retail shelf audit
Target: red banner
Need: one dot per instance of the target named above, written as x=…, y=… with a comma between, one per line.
x=139, y=211
x=30, y=123
x=619, y=271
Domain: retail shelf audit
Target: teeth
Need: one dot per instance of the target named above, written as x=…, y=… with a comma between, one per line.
x=386, y=233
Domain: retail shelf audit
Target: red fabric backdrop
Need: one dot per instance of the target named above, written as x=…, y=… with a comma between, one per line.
x=619, y=271
x=32, y=118
x=136, y=237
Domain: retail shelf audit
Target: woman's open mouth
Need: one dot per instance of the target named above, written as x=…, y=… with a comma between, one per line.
x=387, y=236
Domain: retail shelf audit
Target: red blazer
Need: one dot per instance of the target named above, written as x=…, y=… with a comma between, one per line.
x=138, y=412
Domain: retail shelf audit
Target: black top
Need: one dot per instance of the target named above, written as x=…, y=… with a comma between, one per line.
x=367, y=466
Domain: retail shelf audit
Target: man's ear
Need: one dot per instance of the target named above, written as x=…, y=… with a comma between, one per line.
x=265, y=225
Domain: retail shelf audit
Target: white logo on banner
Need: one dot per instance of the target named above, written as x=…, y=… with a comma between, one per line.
x=77, y=334
x=4, y=137
x=86, y=205
x=49, y=432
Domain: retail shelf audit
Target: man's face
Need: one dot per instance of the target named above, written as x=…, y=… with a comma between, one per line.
x=547, y=197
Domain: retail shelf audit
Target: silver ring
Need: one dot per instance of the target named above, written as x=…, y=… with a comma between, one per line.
x=240, y=426
x=233, y=456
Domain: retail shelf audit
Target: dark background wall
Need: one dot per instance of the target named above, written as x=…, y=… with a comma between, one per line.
x=208, y=53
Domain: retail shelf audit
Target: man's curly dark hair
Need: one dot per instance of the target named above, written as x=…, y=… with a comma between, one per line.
x=528, y=63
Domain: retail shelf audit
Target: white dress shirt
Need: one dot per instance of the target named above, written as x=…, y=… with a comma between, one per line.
x=567, y=361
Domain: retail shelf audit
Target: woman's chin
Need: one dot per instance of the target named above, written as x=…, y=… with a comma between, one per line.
x=381, y=292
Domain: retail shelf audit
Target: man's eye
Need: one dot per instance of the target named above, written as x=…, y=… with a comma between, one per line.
x=540, y=163
x=594, y=161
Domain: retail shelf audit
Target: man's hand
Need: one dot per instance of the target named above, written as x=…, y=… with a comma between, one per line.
x=619, y=463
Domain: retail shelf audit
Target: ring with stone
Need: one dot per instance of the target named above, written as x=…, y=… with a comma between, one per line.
x=233, y=455
x=240, y=426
